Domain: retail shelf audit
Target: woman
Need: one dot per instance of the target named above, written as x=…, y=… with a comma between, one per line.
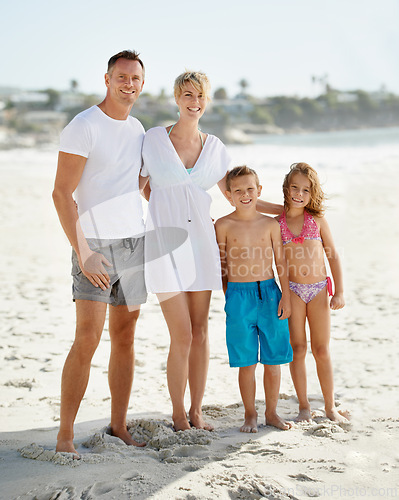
x=181, y=253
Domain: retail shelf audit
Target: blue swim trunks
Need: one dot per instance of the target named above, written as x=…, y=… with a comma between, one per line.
x=252, y=321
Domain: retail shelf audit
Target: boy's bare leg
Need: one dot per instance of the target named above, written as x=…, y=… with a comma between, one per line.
x=247, y=384
x=90, y=317
x=271, y=380
x=319, y=324
x=198, y=304
x=122, y=325
x=299, y=346
x=175, y=311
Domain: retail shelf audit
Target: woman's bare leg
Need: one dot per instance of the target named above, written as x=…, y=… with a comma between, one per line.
x=198, y=304
x=176, y=313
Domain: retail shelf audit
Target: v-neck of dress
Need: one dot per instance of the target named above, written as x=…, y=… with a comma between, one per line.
x=177, y=154
x=303, y=225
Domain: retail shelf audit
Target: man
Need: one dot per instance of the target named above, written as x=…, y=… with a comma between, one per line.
x=99, y=161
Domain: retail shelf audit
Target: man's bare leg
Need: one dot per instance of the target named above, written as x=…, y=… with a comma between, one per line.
x=90, y=317
x=122, y=325
x=247, y=384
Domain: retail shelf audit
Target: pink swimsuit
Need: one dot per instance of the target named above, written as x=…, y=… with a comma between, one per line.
x=310, y=231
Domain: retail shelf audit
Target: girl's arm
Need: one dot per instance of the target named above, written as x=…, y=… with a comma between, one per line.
x=265, y=207
x=284, y=308
x=337, y=301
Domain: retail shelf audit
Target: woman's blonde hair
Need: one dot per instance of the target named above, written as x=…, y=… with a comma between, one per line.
x=197, y=79
x=317, y=197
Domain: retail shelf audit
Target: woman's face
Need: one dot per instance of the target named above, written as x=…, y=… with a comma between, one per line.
x=191, y=102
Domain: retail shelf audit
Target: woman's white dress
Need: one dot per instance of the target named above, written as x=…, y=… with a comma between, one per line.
x=181, y=253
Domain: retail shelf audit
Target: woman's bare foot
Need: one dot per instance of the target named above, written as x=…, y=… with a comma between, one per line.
x=126, y=437
x=66, y=446
x=276, y=421
x=339, y=416
x=250, y=424
x=304, y=415
x=197, y=421
x=181, y=424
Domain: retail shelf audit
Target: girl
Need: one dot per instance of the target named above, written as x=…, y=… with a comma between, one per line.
x=306, y=236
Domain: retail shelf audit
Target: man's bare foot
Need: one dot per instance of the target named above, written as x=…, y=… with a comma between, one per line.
x=276, y=421
x=304, y=415
x=66, y=446
x=126, y=437
x=250, y=424
x=181, y=424
x=198, y=422
x=340, y=416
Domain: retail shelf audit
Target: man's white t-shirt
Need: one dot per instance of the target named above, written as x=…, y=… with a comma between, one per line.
x=108, y=197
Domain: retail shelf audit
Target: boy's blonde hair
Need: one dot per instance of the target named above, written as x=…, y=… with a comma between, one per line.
x=239, y=172
x=317, y=197
x=197, y=79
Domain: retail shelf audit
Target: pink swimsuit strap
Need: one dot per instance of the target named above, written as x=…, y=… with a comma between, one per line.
x=309, y=231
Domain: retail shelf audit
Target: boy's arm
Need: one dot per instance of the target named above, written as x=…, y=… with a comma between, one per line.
x=221, y=238
x=337, y=301
x=284, y=307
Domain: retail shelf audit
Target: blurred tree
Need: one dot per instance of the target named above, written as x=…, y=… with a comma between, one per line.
x=74, y=85
x=220, y=94
x=261, y=115
x=244, y=85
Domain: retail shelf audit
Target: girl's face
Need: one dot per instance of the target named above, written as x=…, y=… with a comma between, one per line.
x=299, y=191
x=191, y=102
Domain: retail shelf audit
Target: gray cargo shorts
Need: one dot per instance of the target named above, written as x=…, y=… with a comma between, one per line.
x=127, y=285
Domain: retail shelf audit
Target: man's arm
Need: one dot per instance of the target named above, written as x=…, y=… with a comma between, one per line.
x=69, y=172
x=284, y=308
x=144, y=187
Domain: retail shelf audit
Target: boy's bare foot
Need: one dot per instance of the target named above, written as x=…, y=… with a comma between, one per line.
x=198, y=422
x=250, y=424
x=276, y=421
x=126, y=437
x=304, y=415
x=339, y=416
x=66, y=446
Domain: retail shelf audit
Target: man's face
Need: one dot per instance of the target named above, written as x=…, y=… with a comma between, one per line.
x=125, y=82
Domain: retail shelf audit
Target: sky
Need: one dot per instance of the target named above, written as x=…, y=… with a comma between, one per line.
x=275, y=45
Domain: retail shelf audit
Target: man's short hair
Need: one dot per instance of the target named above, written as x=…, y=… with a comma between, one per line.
x=239, y=172
x=131, y=55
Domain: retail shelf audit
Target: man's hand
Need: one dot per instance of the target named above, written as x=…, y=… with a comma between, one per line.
x=93, y=268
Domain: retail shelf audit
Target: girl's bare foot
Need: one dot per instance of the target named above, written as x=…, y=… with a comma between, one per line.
x=304, y=415
x=250, y=424
x=276, y=421
x=337, y=416
x=126, y=437
x=198, y=422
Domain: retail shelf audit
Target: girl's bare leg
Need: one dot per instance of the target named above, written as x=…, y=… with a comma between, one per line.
x=299, y=346
x=176, y=313
x=247, y=384
x=319, y=323
x=198, y=304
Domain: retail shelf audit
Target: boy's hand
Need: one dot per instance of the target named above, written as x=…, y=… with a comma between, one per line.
x=284, y=308
x=337, y=301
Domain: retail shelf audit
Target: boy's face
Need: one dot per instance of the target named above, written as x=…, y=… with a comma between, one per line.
x=244, y=192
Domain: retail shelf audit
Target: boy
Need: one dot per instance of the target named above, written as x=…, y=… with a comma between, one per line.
x=256, y=311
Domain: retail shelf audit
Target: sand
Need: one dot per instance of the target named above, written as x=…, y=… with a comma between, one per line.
x=318, y=459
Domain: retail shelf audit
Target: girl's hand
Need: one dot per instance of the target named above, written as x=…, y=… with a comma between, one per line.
x=337, y=301
x=284, y=308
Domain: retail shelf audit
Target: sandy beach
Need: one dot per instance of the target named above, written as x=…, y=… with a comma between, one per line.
x=318, y=459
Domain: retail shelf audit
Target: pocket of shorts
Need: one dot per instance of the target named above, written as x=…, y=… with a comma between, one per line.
x=75, y=265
